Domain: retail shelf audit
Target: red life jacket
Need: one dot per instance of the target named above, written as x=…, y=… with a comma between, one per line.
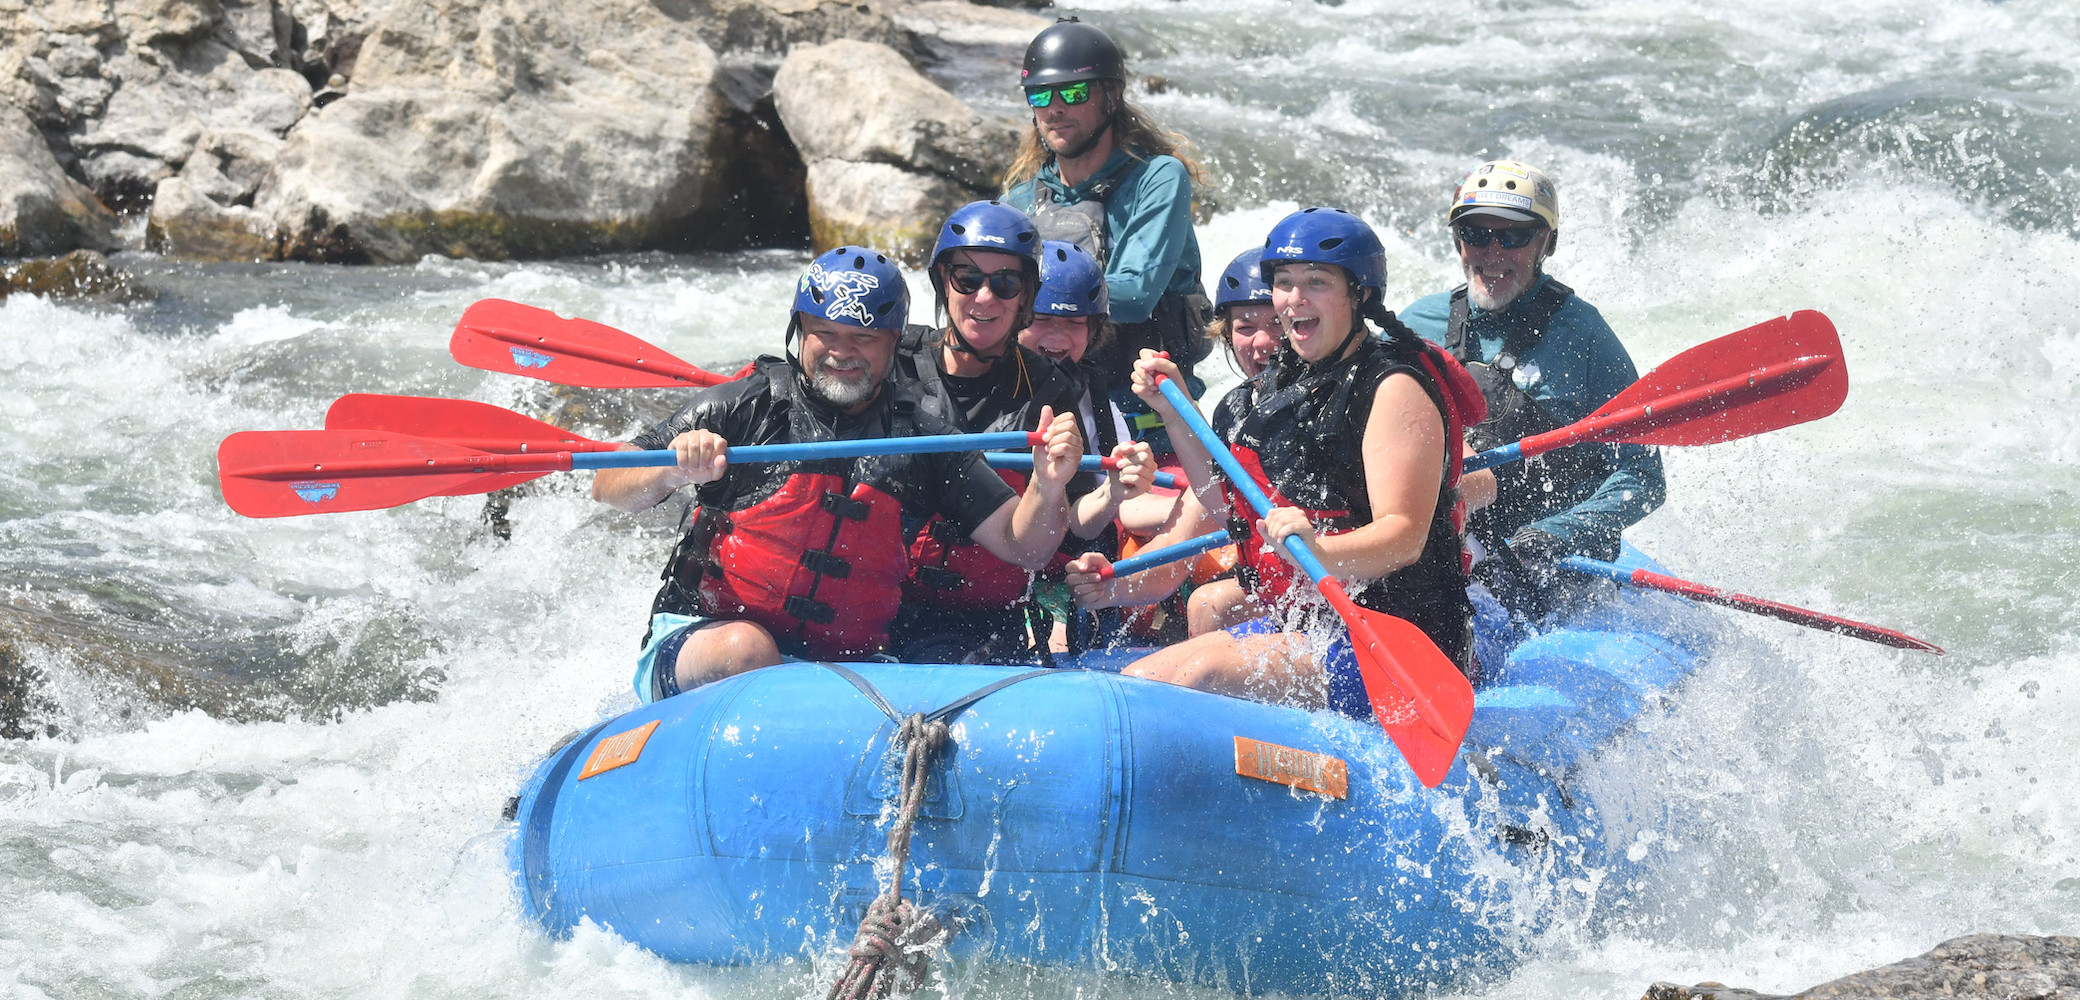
x=1311, y=426
x=949, y=570
x=812, y=562
x=815, y=557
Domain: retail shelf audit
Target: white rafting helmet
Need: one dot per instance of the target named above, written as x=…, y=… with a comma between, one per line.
x=1509, y=190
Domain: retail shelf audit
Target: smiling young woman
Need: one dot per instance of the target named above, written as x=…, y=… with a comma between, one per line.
x=1357, y=438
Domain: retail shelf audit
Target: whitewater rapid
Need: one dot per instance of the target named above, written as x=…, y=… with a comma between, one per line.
x=370, y=688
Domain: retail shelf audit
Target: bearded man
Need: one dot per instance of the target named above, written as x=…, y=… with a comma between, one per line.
x=1097, y=171
x=808, y=558
x=1545, y=359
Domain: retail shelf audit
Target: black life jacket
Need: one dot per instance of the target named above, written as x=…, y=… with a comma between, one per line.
x=1536, y=488
x=1300, y=429
x=948, y=569
x=812, y=551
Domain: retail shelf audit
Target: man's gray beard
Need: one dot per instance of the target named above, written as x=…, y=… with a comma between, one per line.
x=1484, y=303
x=839, y=393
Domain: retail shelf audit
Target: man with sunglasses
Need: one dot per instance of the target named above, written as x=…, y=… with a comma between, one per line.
x=1096, y=171
x=962, y=602
x=1544, y=358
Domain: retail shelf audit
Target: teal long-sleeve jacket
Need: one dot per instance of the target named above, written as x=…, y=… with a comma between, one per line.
x=1580, y=366
x=1148, y=223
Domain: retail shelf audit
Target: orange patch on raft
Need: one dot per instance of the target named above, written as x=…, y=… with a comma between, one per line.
x=618, y=750
x=1315, y=772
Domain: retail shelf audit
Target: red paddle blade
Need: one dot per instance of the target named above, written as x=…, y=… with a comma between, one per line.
x=1769, y=376
x=1395, y=658
x=1784, y=612
x=286, y=473
x=501, y=336
x=462, y=422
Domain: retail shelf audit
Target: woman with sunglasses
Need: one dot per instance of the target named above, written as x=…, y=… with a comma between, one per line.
x=1357, y=440
x=961, y=603
x=1544, y=358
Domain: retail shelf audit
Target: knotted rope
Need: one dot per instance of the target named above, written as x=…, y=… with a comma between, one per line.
x=888, y=953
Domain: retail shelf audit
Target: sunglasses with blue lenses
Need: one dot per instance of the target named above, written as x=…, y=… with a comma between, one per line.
x=1072, y=93
x=1511, y=239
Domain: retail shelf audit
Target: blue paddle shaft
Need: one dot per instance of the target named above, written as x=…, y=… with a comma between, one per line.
x=1501, y=454
x=1593, y=567
x=1295, y=545
x=802, y=451
x=1089, y=463
x=1172, y=553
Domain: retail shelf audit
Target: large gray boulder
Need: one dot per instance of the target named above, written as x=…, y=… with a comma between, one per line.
x=889, y=152
x=507, y=128
x=126, y=87
x=43, y=211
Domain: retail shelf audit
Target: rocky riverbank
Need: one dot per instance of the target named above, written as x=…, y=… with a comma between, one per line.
x=1992, y=966
x=384, y=130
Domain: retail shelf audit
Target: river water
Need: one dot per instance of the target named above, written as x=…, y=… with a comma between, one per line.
x=271, y=755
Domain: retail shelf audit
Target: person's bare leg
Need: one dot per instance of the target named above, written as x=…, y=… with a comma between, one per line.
x=724, y=649
x=1218, y=605
x=1278, y=668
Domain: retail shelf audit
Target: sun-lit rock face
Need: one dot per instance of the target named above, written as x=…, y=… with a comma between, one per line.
x=382, y=131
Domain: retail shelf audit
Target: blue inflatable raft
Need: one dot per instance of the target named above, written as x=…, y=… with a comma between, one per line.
x=1084, y=819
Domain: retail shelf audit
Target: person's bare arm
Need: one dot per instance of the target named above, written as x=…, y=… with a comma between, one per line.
x=1095, y=510
x=1092, y=590
x=1403, y=452
x=1027, y=530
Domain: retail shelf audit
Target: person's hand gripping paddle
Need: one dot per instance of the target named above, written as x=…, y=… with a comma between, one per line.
x=1418, y=694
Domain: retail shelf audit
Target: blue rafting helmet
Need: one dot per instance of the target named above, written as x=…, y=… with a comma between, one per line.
x=1243, y=282
x=1071, y=282
x=855, y=286
x=1327, y=236
x=988, y=225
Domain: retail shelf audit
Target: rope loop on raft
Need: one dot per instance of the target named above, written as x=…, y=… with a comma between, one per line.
x=888, y=953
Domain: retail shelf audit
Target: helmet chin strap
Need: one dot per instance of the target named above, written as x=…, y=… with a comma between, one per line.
x=794, y=326
x=1088, y=144
x=1111, y=118
x=961, y=346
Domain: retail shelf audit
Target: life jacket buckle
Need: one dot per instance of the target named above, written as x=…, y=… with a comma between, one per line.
x=826, y=564
x=946, y=534
x=849, y=508
x=809, y=610
x=940, y=578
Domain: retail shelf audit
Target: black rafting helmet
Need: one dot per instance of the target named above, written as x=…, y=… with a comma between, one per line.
x=1068, y=51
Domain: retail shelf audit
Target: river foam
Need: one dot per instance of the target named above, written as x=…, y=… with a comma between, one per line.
x=373, y=685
